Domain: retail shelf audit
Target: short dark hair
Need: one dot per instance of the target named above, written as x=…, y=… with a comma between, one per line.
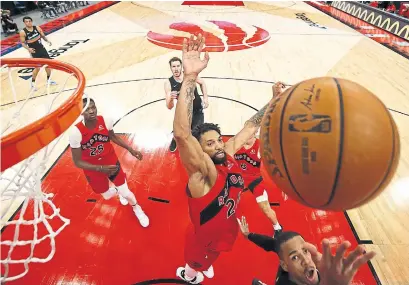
x=282, y=238
x=27, y=18
x=173, y=59
x=84, y=101
x=199, y=130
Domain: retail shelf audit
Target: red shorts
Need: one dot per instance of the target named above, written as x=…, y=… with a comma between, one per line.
x=99, y=181
x=255, y=184
x=201, y=253
x=260, y=188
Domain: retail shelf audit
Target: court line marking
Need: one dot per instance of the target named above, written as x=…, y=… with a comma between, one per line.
x=164, y=78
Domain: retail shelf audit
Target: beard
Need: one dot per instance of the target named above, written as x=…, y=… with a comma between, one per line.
x=218, y=159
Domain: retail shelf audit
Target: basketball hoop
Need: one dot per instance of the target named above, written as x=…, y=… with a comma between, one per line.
x=24, y=153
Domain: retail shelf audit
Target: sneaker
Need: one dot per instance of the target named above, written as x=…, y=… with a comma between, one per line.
x=209, y=273
x=122, y=200
x=173, y=146
x=140, y=214
x=180, y=272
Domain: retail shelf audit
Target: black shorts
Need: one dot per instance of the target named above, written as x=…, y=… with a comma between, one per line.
x=40, y=52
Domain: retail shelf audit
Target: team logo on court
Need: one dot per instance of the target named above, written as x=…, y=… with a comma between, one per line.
x=310, y=123
x=224, y=36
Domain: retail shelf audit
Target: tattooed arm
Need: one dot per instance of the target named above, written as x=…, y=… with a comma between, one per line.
x=192, y=156
x=251, y=126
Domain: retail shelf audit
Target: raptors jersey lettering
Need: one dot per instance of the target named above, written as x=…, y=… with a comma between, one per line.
x=249, y=160
x=95, y=144
x=214, y=215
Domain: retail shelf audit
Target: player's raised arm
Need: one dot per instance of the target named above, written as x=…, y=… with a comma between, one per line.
x=191, y=153
x=251, y=126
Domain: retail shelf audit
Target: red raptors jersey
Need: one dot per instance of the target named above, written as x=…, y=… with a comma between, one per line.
x=214, y=215
x=95, y=143
x=248, y=160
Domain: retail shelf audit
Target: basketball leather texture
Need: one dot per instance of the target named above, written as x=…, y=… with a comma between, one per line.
x=329, y=143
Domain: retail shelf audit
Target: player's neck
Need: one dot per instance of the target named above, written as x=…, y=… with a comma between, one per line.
x=178, y=78
x=90, y=124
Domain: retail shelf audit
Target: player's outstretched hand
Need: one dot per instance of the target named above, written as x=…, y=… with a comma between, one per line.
x=192, y=48
x=136, y=153
x=278, y=88
x=244, y=227
x=338, y=270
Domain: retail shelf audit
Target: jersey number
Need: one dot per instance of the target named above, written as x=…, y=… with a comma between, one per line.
x=96, y=150
x=230, y=203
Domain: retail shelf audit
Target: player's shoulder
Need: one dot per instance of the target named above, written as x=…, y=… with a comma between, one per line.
x=74, y=132
x=104, y=118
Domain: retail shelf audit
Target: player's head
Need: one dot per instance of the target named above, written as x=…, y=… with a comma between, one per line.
x=28, y=21
x=210, y=139
x=295, y=258
x=175, y=64
x=90, y=113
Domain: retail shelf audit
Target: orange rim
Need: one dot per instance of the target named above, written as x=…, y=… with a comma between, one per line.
x=26, y=141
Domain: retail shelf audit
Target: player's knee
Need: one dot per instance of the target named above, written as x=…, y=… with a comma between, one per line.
x=124, y=191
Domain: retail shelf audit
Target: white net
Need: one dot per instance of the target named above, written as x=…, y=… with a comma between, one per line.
x=30, y=221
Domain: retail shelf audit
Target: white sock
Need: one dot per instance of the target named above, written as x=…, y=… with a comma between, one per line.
x=111, y=192
x=277, y=227
x=190, y=273
x=124, y=191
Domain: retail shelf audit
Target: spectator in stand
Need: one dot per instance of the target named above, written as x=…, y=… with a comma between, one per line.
x=404, y=10
x=44, y=5
x=7, y=22
x=391, y=8
x=374, y=4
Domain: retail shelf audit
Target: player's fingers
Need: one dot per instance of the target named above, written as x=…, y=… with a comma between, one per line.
x=361, y=261
x=339, y=256
x=326, y=252
x=191, y=42
x=198, y=42
x=353, y=256
x=206, y=58
x=184, y=45
x=315, y=254
x=201, y=44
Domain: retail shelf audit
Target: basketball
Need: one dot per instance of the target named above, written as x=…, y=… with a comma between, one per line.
x=329, y=144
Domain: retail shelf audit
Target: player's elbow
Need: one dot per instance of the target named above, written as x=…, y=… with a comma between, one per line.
x=181, y=133
x=77, y=162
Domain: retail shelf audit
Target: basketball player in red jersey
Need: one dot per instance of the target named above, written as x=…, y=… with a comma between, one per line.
x=248, y=157
x=249, y=160
x=91, y=147
x=215, y=180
